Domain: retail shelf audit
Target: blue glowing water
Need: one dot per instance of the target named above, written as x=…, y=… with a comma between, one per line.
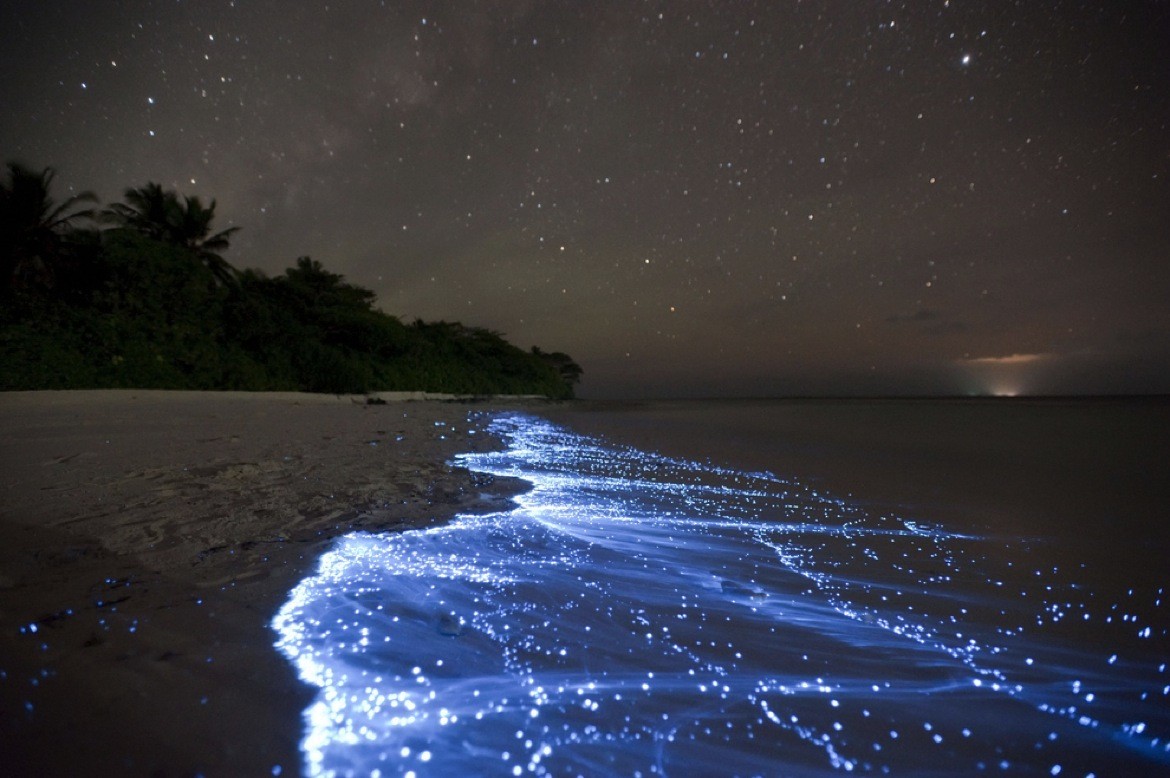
x=641, y=615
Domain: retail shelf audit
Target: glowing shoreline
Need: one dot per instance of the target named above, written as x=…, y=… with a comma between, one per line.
x=640, y=614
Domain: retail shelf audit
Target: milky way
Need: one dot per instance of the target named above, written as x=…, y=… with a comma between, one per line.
x=689, y=198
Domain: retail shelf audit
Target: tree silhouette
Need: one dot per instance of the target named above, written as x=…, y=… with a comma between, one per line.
x=162, y=215
x=152, y=304
x=193, y=231
x=325, y=288
x=147, y=210
x=569, y=371
x=33, y=228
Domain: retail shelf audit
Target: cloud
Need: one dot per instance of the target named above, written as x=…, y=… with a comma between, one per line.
x=919, y=316
x=1144, y=339
x=931, y=322
x=1010, y=359
x=946, y=328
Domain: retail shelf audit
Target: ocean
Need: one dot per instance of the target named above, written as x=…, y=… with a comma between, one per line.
x=763, y=588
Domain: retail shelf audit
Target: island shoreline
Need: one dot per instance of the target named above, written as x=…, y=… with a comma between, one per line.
x=148, y=537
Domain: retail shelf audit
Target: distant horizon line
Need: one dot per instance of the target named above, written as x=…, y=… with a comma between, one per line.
x=1145, y=396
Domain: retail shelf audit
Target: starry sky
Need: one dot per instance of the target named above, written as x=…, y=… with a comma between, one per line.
x=691, y=199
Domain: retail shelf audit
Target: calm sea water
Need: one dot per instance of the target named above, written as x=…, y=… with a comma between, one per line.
x=648, y=614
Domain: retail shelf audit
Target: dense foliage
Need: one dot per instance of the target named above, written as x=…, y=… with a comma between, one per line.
x=149, y=302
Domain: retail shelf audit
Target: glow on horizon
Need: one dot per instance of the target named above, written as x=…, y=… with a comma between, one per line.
x=1011, y=375
x=1011, y=359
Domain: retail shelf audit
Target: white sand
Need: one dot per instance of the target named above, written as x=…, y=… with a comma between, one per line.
x=150, y=536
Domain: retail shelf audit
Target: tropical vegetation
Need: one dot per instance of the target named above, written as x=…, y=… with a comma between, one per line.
x=139, y=295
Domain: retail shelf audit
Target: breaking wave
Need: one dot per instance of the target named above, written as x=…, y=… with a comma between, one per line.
x=641, y=615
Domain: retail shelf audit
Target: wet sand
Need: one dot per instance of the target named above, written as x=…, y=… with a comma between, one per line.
x=146, y=540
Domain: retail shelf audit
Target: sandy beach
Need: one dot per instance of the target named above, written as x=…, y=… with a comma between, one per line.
x=147, y=538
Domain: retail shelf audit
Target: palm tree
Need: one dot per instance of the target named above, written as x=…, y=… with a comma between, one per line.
x=147, y=210
x=161, y=215
x=32, y=227
x=192, y=229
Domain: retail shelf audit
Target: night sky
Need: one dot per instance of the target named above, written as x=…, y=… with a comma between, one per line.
x=691, y=199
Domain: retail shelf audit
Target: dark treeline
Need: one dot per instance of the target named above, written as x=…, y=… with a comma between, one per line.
x=138, y=295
